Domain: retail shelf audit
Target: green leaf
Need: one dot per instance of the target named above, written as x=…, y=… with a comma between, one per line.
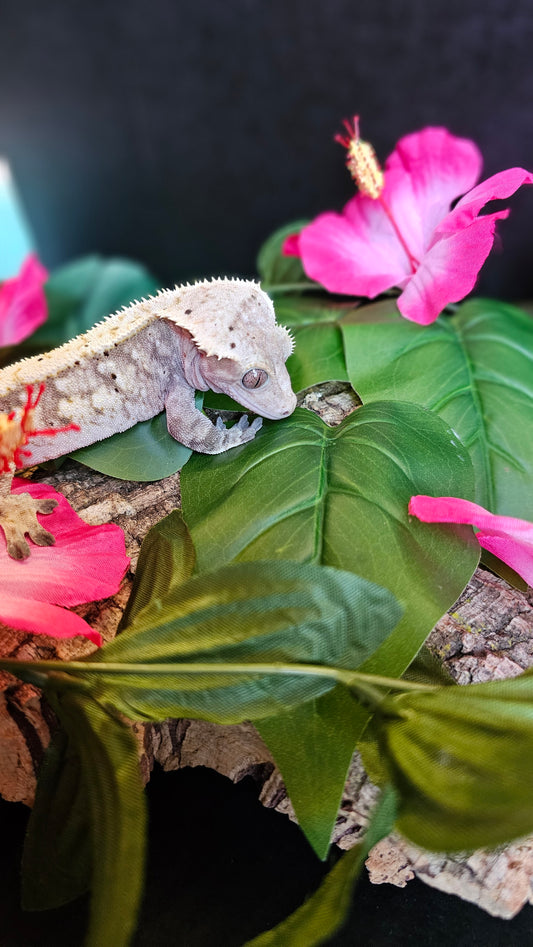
x=166, y=561
x=85, y=291
x=278, y=272
x=318, y=352
x=461, y=759
x=56, y=864
x=325, y=911
x=424, y=669
x=339, y=496
x=145, y=452
x=317, y=739
x=247, y=641
x=116, y=807
x=474, y=369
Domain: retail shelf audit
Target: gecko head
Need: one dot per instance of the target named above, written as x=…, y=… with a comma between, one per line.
x=242, y=348
x=261, y=385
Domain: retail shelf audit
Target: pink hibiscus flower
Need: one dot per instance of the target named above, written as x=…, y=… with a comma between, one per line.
x=508, y=538
x=87, y=563
x=399, y=229
x=22, y=302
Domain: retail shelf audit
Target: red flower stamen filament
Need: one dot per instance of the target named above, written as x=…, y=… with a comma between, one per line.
x=16, y=434
x=412, y=260
x=367, y=174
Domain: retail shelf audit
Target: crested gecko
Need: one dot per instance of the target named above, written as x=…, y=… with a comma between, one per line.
x=152, y=355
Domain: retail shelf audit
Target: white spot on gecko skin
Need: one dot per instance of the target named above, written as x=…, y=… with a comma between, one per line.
x=105, y=368
x=103, y=399
x=72, y=409
x=69, y=383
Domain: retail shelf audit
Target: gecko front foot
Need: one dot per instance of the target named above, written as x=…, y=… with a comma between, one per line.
x=18, y=518
x=240, y=433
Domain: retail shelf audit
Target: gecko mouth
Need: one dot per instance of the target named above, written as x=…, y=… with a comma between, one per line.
x=275, y=415
x=287, y=404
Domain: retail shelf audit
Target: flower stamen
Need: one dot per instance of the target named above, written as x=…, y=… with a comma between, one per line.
x=361, y=161
x=367, y=174
x=15, y=433
x=412, y=260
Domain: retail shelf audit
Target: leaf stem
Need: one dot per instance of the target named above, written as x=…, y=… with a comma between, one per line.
x=352, y=679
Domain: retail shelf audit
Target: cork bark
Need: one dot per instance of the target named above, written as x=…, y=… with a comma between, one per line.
x=488, y=634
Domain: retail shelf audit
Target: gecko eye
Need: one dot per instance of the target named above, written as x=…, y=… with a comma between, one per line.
x=254, y=378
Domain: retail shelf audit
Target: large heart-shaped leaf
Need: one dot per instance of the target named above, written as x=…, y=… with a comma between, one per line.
x=461, y=759
x=474, y=369
x=339, y=496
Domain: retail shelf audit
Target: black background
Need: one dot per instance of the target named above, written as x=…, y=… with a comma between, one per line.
x=221, y=869
x=181, y=134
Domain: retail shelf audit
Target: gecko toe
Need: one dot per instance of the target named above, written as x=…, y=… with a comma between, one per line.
x=18, y=549
x=46, y=506
x=41, y=537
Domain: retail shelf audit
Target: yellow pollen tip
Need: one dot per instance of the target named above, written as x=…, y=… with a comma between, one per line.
x=364, y=168
x=11, y=438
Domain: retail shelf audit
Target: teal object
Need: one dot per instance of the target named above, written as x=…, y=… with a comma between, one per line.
x=16, y=239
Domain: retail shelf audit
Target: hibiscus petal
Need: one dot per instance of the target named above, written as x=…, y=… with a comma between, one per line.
x=449, y=270
x=291, y=246
x=424, y=174
x=87, y=563
x=498, y=187
x=508, y=538
x=23, y=303
x=356, y=253
x=44, y=619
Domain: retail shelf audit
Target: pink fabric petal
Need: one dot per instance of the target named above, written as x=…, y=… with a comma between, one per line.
x=87, y=563
x=508, y=538
x=291, y=246
x=426, y=172
x=22, y=302
x=356, y=252
x=449, y=270
x=44, y=619
x=498, y=187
